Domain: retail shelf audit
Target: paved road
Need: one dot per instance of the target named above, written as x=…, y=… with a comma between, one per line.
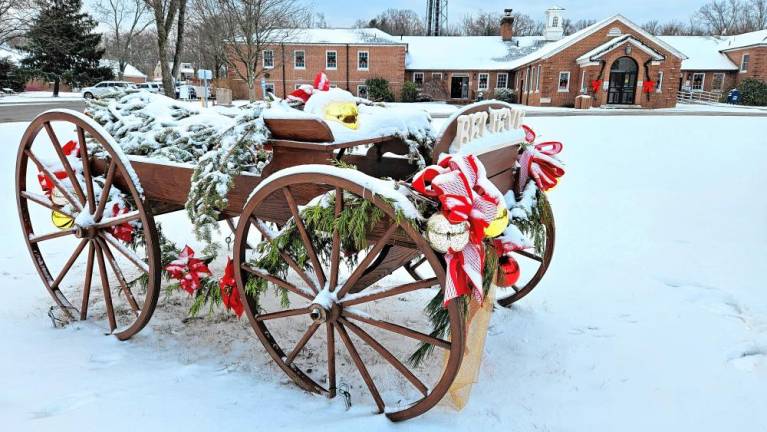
x=26, y=111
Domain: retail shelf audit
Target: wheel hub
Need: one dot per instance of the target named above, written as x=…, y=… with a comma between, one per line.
x=85, y=232
x=321, y=314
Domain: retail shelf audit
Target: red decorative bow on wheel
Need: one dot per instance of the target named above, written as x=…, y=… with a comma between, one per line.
x=461, y=186
x=125, y=230
x=539, y=162
x=69, y=149
x=188, y=270
x=229, y=294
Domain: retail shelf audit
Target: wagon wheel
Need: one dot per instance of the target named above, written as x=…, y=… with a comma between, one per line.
x=81, y=203
x=373, y=324
x=533, y=263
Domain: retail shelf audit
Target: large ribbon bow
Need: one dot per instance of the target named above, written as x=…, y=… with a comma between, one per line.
x=305, y=91
x=539, y=162
x=188, y=270
x=462, y=187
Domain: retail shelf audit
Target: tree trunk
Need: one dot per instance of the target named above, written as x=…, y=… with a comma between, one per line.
x=56, y=82
x=251, y=88
x=179, y=37
x=121, y=65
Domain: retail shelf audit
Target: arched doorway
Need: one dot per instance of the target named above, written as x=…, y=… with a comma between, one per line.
x=623, y=81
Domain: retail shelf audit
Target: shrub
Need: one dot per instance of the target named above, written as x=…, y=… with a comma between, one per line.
x=505, y=95
x=379, y=91
x=11, y=76
x=753, y=92
x=409, y=92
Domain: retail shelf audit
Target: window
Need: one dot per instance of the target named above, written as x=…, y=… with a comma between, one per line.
x=418, y=78
x=362, y=60
x=718, y=83
x=331, y=60
x=483, y=81
x=268, y=59
x=538, y=79
x=299, y=59
x=659, y=83
x=744, y=62
x=583, y=82
x=516, y=79
x=697, y=80
x=528, y=79
x=502, y=80
x=615, y=31
x=269, y=88
x=362, y=91
x=564, y=81
x=436, y=76
x=555, y=21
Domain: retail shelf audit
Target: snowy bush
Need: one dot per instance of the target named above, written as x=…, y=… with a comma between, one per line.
x=409, y=92
x=506, y=95
x=753, y=92
x=378, y=90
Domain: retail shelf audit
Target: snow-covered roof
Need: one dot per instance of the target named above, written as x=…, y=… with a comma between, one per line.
x=365, y=36
x=129, y=72
x=466, y=52
x=703, y=52
x=745, y=40
x=597, y=53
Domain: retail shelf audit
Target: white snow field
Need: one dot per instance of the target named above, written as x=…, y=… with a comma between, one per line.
x=652, y=317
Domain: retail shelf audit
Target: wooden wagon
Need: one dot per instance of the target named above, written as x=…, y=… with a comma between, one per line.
x=321, y=292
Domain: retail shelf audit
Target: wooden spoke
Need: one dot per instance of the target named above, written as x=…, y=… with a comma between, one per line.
x=527, y=254
x=288, y=259
x=305, y=236
x=515, y=288
x=335, y=254
x=87, y=284
x=360, y=366
x=68, y=195
x=64, y=161
x=106, y=289
x=363, y=265
x=282, y=314
x=279, y=282
x=87, y=177
x=396, y=328
x=45, y=202
x=120, y=277
x=52, y=235
x=109, y=179
x=419, y=262
x=302, y=342
x=68, y=265
x=364, y=297
x=388, y=356
x=331, y=361
x=118, y=220
x=124, y=251
x=233, y=228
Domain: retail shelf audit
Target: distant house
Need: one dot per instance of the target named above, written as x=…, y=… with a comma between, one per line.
x=130, y=73
x=185, y=72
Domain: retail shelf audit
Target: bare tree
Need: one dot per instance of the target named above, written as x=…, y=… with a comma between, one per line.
x=526, y=26
x=652, y=27
x=720, y=16
x=756, y=14
x=14, y=18
x=398, y=22
x=143, y=53
x=482, y=24
x=126, y=19
x=165, y=12
x=204, y=33
x=251, y=26
x=569, y=27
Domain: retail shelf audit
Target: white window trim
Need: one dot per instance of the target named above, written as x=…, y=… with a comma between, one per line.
x=359, y=86
x=327, y=66
x=295, y=56
x=559, y=79
x=702, y=81
x=583, y=82
x=415, y=74
x=498, y=80
x=487, y=81
x=436, y=75
x=538, y=79
x=528, y=74
x=659, y=87
x=267, y=85
x=358, y=60
x=722, y=74
x=263, y=59
x=744, y=63
x=516, y=79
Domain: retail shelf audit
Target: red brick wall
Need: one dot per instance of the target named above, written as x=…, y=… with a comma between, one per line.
x=473, y=76
x=757, y=65
x=384, y=61
x=565, y=61
x=708, y=79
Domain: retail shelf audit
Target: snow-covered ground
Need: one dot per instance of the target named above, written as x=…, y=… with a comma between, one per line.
x=39, y=96
x=653, y=315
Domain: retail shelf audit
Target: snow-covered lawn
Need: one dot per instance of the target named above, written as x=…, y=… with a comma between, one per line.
x=39, y=96
x=653, y=315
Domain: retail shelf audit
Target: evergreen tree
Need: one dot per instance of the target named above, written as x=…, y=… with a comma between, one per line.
x=61, y=45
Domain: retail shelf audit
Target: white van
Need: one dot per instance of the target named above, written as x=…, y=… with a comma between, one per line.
x=105, y=87
x=152, y=87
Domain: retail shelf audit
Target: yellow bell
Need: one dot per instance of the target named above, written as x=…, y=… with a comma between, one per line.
x=61, y=221
x=499, y=224
x=345, y=113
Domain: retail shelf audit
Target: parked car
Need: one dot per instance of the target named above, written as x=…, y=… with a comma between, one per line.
x=105, y=87
x=152, y=87
x=184, y=91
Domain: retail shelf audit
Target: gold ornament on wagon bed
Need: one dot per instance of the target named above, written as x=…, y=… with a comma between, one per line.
x=499, y=224
x=444, y=235
x=345, y=113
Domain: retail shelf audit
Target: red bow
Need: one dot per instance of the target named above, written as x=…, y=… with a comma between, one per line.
x=462, y=187
x=596, y=85
x=187, y=270
x=125, y=230
x=648, y=86
x=229, y=293
x=69, y=149
x=539, y=162
x=305, y=91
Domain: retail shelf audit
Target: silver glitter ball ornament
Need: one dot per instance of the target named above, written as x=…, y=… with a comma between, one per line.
x=444, y=235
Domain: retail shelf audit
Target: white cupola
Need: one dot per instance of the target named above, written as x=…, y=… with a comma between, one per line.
x=554, y=26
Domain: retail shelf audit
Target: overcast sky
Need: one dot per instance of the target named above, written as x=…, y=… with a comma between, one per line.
x=343, y=13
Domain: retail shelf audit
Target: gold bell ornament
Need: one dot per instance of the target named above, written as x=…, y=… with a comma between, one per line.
x=345, y=113
x=444, y=235
x=60, y=220
x=499, y=224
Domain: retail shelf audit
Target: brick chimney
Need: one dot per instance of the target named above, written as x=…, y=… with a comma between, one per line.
x=507, y=26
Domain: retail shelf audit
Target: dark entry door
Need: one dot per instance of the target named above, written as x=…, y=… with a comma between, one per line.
x=623, y=82
x=459, y=88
